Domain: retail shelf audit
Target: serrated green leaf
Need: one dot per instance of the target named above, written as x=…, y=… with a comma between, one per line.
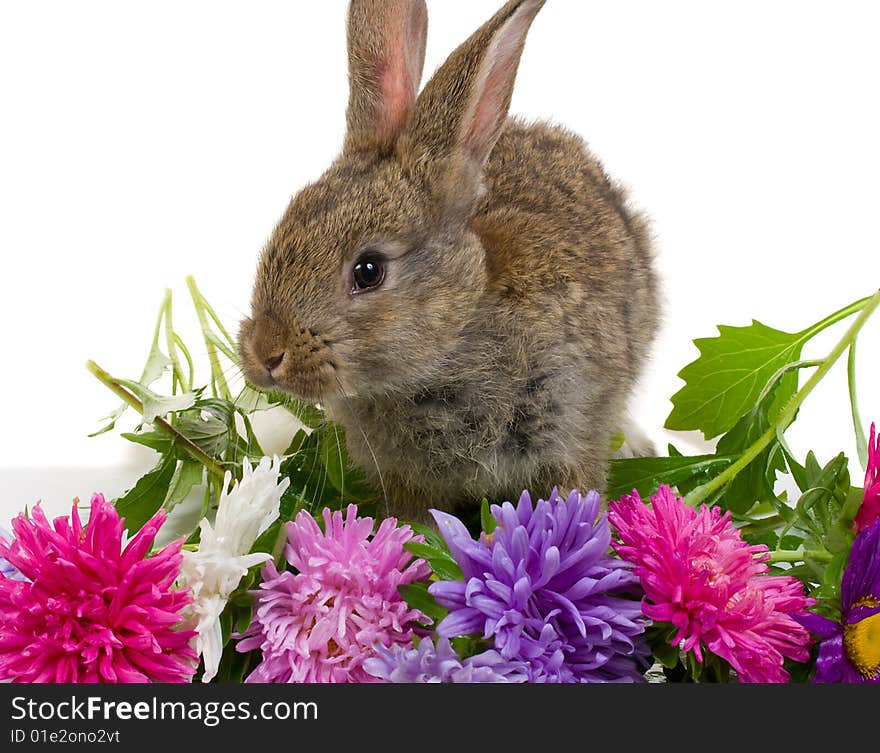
x=210, y=433
x=646, y=474
x=727, y=379
x=142, y=501
x=157, y=406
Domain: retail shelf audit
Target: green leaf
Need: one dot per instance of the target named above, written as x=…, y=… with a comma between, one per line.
x=142, y=501
x=646, y=474
x=617, y=441
x=156, y=365
x=158, y=406
x=755, y=483
x=254, y=451
x=827, y=507
x=440, y=561
x=487, y=522
x=250, y=401
x=206, y=430
x=416, y=595
x=346, y=478
x=797, y=471
x=188, y=474
x=161, y=443
x=432, y=538
x=725, y=382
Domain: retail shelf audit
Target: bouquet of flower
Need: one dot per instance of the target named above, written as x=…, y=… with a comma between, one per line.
x=699, y=569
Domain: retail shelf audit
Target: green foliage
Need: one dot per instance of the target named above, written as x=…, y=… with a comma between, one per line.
x=142, y=501
x=725, y=382
x=417, y=597
x=756, y=482
x=743, y=389
x=646, y=474
x=435, y=552
x=487, y=522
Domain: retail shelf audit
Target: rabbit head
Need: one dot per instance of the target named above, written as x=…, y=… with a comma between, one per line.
x=374, y=271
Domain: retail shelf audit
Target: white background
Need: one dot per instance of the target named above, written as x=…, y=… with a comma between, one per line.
x=143, y=141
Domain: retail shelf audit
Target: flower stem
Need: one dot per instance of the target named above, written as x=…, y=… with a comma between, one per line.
x=159, y=424
x=858, y=427
x=176, y=367
x=786, y=416
x=837, y=316
x=218, y=381
x=799, y=555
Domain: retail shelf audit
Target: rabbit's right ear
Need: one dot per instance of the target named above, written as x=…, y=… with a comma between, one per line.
x=462, y=110
x=386, y=55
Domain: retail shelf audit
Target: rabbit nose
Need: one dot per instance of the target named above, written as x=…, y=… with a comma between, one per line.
x=268, y=339
x=273, y=362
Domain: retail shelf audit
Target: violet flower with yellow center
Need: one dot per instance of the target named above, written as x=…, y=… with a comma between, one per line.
x=850, y=649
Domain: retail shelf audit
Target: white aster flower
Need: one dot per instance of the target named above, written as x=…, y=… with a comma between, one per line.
x=223, y=558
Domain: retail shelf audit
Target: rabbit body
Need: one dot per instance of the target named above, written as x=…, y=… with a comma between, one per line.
x=518, y=298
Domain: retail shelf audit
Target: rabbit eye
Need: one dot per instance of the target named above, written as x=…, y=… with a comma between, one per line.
x=368, y=272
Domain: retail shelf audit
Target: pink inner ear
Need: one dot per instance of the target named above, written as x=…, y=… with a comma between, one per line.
x=397, y=90
x=489, y=112
x=401, y=68
x=496, y=87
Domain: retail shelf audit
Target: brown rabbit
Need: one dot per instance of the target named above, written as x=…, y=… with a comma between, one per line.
x=467, y=294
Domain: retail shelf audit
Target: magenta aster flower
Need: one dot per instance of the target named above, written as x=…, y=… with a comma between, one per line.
x=322, y=622
x=546, y=590
x=700, y=576
x=850, y=649
x=91, y=610
x=870, y=509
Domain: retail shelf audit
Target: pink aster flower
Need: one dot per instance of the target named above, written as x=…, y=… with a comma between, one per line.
x=321, y=623
x=699, y=575
x=91, y=610
x=870, y=509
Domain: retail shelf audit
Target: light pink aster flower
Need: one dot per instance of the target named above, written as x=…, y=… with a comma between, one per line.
x=322, y=622
x=91, y=611
x=702, y=577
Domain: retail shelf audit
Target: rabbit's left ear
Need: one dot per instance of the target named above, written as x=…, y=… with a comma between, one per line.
x=462, y=109
x=386, y=55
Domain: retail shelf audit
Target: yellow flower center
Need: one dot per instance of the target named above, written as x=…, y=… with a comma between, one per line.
x=861, y=641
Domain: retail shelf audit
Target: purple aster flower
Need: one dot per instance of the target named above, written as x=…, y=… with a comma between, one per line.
x=430, y=664
x=850, y=649
x=545, y=589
